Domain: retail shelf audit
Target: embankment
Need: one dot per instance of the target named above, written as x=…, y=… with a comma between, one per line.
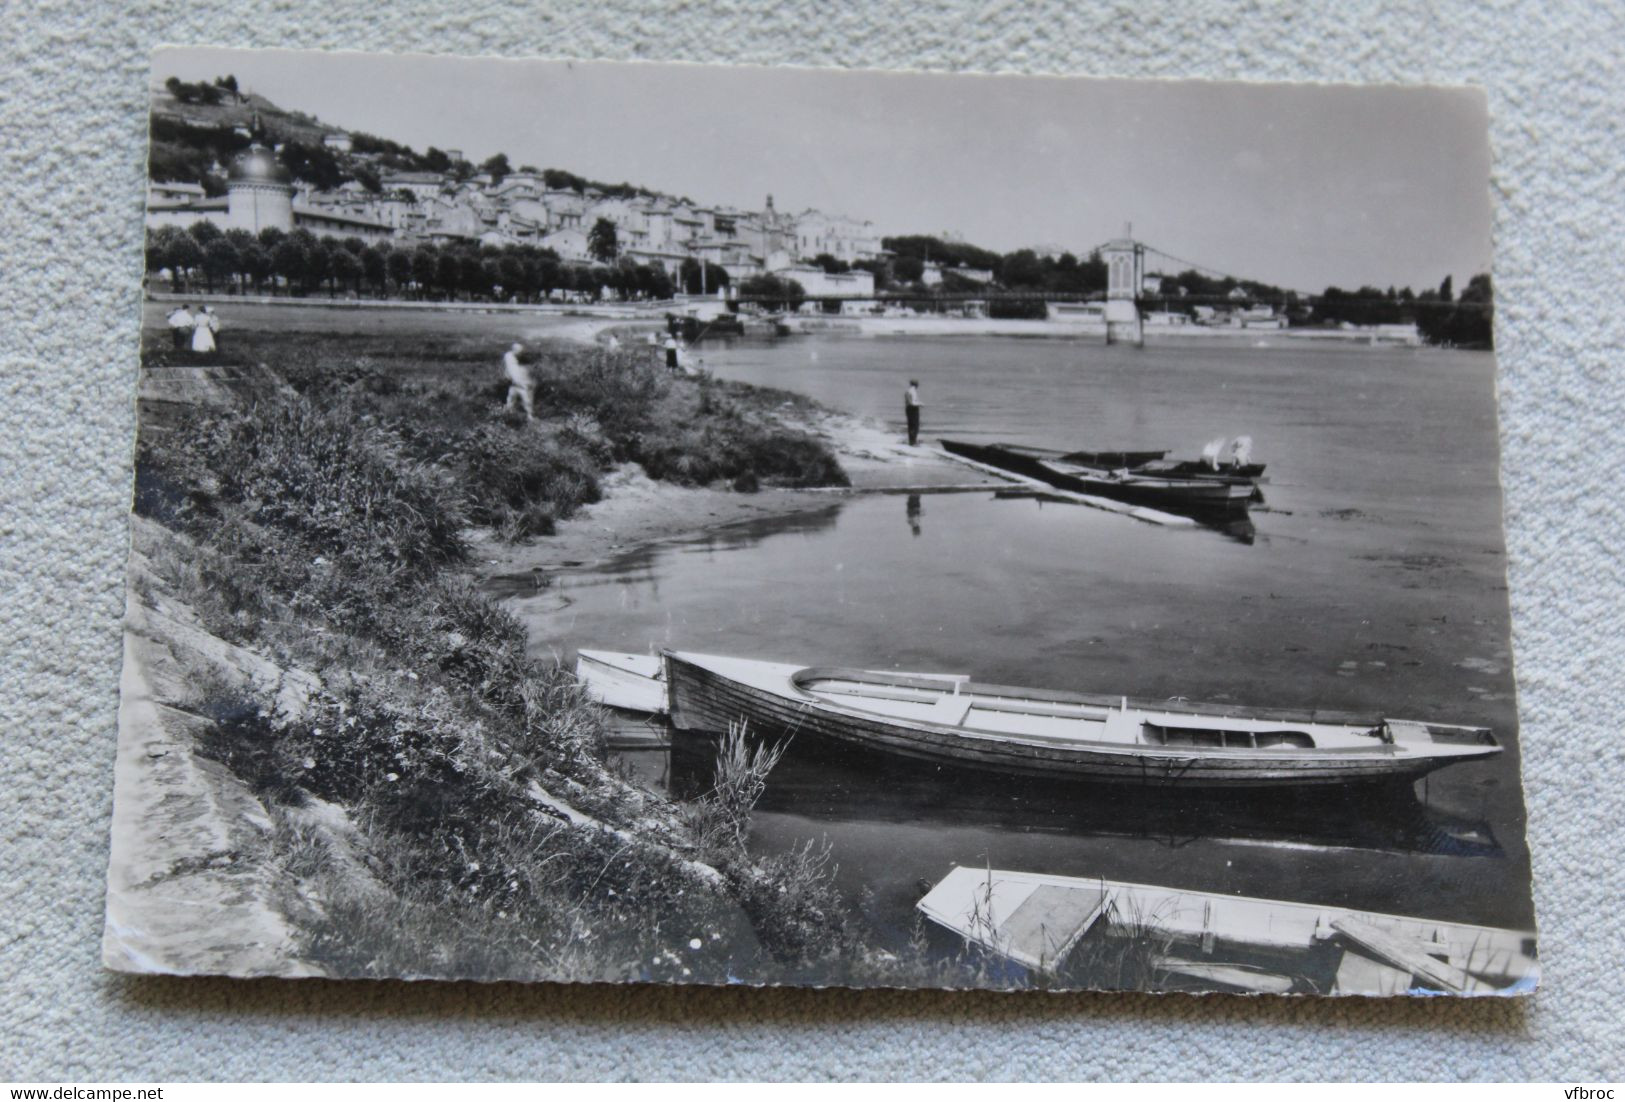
x=335, y=757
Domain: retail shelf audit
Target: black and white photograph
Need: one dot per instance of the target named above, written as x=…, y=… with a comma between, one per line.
x=620, y=522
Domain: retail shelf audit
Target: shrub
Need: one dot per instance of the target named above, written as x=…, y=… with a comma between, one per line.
x=519, y=481
x=695, y=456
x=338, y=490
x=618, y=389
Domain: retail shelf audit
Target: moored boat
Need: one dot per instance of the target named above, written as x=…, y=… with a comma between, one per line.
x=1213, y=941
x=635, y=682
x=1147, y=485
x=954, y=720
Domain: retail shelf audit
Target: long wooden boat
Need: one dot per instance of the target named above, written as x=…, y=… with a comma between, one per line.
x=1213, y=941
x=1060, y=734
x=1136, y=486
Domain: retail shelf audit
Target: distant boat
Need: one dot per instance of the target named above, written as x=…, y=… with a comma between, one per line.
x=1212, y=941
x=1143, y=486
x=951, y=719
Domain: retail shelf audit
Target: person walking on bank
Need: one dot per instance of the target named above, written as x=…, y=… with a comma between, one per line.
x=203, y=330
x=180, y=326
x=521, y=386
x=214, y=326
x=911, y=410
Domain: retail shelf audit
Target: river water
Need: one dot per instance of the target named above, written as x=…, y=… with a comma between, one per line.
x=1375, y=582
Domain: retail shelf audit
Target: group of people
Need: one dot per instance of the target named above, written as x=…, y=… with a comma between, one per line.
x=198, y=330
x=675, y=352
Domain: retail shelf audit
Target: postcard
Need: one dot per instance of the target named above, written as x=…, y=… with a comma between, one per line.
x=629, y=523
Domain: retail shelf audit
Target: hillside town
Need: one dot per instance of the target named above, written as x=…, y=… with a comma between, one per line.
x=232, y=165
x=501, y=209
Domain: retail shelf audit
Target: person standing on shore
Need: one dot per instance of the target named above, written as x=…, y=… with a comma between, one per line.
x=521, y=385
x=672, y=364
x=180, y=326
x=911, y=410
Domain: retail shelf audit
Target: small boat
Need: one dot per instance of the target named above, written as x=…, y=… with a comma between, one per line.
x=954, y=720
x=1138, y=486
x=1213, y=941
x=635, y=682
x=1147, y=463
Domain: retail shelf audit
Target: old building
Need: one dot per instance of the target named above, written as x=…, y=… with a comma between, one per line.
x=259, y=196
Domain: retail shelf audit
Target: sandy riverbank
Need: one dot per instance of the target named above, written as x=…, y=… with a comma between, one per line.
x=637, y=511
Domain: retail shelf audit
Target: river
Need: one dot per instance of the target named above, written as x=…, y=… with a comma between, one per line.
x=1375, y=581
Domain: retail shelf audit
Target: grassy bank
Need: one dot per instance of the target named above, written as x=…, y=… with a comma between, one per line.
x=439, y=399
x=440, y=805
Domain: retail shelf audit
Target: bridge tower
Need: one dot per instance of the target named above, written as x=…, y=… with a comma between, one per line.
x=1125, y=273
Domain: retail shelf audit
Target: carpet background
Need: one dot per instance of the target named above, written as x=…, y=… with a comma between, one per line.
x=72, y=115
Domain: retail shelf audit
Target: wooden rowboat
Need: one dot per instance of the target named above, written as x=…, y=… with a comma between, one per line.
x=1059, y=734
x=1213, y=941
x=1139, y=486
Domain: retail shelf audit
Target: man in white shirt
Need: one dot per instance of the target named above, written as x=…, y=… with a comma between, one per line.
x=521, y=386
x=180, y=326
x=911, y=410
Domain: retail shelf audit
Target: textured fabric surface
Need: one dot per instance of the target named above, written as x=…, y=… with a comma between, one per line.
x=72, y=115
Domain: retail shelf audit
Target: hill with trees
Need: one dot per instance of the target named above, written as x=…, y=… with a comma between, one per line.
x=196, y=126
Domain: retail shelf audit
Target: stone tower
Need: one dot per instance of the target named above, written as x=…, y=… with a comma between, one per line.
x=259, y=192
x=1125, y=272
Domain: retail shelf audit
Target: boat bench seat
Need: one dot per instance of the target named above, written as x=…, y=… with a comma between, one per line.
x=951, y=710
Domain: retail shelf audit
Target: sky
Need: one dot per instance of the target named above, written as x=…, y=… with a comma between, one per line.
x=1299, y=185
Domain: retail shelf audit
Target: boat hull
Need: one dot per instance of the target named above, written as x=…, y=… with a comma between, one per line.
x=1160, y=490
x=700, y=698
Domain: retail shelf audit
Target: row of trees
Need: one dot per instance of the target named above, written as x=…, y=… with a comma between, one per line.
x=773, y=292
x=1022, y=270
x=1439, y=316
x=302, y=264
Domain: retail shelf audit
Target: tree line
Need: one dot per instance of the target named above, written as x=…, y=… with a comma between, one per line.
x=203, y=256
x=204, y=91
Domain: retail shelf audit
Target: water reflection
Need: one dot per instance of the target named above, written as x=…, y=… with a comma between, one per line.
x=912, y=510
x=845, y=785
x=1237, y=524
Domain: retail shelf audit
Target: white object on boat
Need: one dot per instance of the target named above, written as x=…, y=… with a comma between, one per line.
x=636, y=682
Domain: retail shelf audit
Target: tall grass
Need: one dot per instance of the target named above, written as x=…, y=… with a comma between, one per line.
x=721, y=816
